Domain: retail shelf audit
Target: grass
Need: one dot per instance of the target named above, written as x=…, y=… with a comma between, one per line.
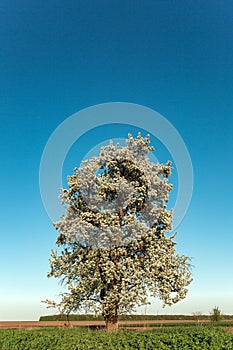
x=193, y=338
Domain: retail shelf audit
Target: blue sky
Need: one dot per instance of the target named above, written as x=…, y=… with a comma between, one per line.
x=175, y=57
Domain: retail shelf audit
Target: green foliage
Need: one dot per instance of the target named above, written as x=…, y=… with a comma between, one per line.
x=195, y=338
x=216, y=314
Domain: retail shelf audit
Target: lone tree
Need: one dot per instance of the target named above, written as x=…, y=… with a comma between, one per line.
x=114, y=244
x=215, y=314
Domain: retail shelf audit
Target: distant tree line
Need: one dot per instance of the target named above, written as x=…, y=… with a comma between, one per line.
x=91, y=317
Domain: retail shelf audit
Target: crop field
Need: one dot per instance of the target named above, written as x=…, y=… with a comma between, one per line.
x=192, y=338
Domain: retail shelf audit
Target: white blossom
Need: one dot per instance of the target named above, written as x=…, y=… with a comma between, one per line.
x=116, y=249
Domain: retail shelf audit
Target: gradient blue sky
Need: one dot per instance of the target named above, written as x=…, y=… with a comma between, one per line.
x=57, y=58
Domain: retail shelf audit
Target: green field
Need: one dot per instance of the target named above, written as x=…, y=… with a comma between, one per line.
x=191, y=338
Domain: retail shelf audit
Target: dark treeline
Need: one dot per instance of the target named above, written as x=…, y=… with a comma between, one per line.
x=90, y=317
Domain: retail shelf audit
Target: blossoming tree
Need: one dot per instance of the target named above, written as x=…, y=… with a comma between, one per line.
x=114, y=244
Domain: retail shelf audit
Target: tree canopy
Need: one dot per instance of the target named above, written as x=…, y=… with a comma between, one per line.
x=115, y=249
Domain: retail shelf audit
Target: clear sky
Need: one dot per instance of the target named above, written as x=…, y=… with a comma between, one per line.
x=57, y=58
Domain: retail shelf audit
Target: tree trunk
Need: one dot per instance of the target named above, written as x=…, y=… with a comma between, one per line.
x=111, y=325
